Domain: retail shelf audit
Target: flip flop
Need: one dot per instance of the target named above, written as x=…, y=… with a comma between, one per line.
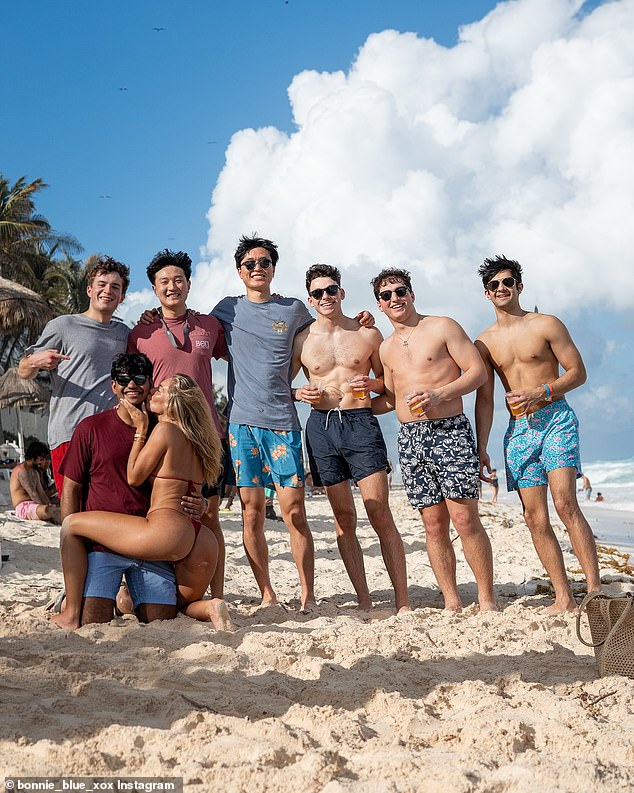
x=54, y=605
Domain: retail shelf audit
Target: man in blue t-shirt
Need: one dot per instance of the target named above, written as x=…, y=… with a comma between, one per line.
x=264, y=432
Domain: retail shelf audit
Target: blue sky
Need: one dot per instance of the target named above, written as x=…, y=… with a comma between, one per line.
x=490, y=128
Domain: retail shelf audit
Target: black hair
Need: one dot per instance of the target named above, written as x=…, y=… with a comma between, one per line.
x=167, y=258
x=491, y=267
x=391, y=275
x=248, y=243
x=131, y=363
x=322, y=271
x=36, y=449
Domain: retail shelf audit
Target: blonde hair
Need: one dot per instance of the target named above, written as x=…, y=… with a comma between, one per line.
x=187, y=405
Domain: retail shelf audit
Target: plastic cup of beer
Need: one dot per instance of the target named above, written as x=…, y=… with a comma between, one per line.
x=356, y=387
x=415, y=410
x=515, y=408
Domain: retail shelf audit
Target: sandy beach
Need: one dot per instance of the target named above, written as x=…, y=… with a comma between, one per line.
x=335, y=700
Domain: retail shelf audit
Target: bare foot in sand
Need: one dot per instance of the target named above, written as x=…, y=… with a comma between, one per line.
x=310, y=604
x=269, y=600
x=488, y=605
x=65, y=621
x=452, y=605
x=404, y=610
x=561, y=606
x=219, y=615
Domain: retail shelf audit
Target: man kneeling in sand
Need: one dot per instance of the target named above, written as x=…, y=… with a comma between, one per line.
x=31, y=497
x=345, y=439
x=95, y=478
x=429, y=364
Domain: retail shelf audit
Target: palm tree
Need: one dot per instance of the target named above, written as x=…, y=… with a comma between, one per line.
x=28, y=244
x=65, y=285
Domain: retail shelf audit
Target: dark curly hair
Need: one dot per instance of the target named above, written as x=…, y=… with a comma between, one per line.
x=391, y=275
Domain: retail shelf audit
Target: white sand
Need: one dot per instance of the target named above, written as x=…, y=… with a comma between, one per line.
x=332, y=701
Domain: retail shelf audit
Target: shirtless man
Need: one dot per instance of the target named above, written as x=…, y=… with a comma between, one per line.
x=541, y=446
x=31, y=500
x=337, y=353
x=429, y=364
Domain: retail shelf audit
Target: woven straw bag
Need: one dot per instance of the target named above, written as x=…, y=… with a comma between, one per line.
x=611, y=620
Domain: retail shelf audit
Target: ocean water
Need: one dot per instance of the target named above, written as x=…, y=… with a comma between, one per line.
x=615, y=480
x=612, y=520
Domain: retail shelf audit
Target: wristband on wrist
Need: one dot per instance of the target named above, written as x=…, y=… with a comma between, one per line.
x=294, y=395
x=549, y=392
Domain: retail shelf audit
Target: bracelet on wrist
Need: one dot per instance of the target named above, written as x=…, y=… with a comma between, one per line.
x=138, y=438
x=549, y=392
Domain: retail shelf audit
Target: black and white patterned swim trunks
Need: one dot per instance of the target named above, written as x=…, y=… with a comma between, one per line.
x=438, y=460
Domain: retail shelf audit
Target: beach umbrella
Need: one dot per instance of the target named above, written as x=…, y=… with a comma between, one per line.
x=23, y=314
x=18, y=393
x=22, y=309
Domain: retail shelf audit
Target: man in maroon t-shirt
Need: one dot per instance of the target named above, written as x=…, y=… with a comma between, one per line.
x=95, y=478
x=176, y=339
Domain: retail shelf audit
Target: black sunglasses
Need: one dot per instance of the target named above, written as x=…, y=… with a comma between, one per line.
x=137, y=379
x=493, y=285
x=400, y=291
x=331, y=290
x=250, y=264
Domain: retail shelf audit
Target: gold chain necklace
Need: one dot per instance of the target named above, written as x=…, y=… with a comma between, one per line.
x=404, y=342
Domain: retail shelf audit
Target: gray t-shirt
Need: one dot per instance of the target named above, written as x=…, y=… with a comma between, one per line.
x=82, y=385
x=260, y=343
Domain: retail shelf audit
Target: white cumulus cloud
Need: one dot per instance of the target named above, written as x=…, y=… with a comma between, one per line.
x=518, y=140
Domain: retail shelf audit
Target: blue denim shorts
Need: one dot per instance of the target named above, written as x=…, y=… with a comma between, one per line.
x=263, y=457
x=148, y=582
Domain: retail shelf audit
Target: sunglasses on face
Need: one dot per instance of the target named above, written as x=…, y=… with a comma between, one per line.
x=137, y=379
x=493, y=285
x=331, y=290
x=251, y=264
x=400, y=291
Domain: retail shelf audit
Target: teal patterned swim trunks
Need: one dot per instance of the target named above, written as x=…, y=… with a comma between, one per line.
x=539, y=443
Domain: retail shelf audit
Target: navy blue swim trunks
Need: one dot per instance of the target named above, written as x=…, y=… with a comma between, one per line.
x=438, y=460
x=345, y=444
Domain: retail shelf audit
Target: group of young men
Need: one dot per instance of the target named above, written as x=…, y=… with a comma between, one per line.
x=422, y=370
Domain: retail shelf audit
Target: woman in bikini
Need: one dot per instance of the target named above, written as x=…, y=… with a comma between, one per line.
x=182, y=451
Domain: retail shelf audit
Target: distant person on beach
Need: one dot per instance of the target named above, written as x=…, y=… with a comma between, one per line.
x=337, y=355
x=77, y=350
x=95, y=480
x=429, y=365
x=600, y=497
x=32, y=497
x=495, y=485
x=176, y=339
x=586, y=487
x=541, y=446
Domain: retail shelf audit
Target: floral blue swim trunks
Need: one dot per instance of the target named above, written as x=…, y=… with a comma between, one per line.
x=539, y=443
x=263, y=457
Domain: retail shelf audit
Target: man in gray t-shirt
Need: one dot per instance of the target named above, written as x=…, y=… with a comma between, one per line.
x=264, y=431
x=77, y=350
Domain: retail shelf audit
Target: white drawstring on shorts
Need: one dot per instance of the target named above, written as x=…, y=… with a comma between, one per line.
x=333, y=410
